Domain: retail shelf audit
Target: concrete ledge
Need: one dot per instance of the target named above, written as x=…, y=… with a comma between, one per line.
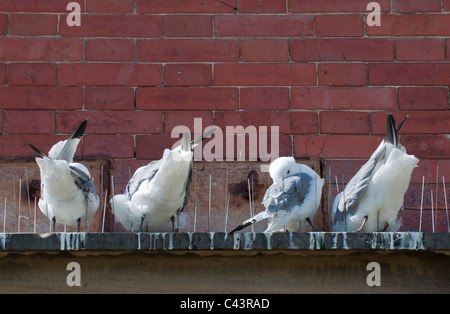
x=13, y=242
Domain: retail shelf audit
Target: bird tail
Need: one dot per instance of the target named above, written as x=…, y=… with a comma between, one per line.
x=202, y=137
x=251, y=221
x=392, y=130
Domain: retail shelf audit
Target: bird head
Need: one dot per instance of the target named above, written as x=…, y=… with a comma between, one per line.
x=282, y=168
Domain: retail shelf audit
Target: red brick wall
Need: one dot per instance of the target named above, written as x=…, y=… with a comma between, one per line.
x=137, y=68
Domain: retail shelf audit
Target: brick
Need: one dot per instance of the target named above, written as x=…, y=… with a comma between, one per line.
x=288, y=122
x=109, y=98
x=415, y=6
x=53, y=6
x=173, y=119
x=350, y=25
x=262, y=6
x=41, y=97
x=112, y=122
x=110, y=74
x=13, y=147
x=265, y=98
x=183, y=50
x=183, y=98
x=185, y=6
x=124, y=170
x=412, y=25
x=152, y=146
x=41, y=49
x=335, y=146
x=446, y=5
x=409, y=74
x=332, y=6
x=344, y=122
x=29, y=122
x=420, y=49
x=264, y=50
x=342, y=74
x=419, y=122
x=109, y=146
x=264, y=74
x=187, y=74
x=109, y=49
x=33, y=24
x=2, y=73
x=110, y=6
x=343, y=49
x=32, y=74
x=263, y=25
x=3, y=24
x=336, y=98
x=113, y=25
x=423, y=98
x=188, y=26
x=434, y=146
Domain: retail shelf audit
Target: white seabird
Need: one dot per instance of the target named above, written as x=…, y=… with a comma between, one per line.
x=158, y=192
x=373, y=198
x=68, y=195
x=292, y=200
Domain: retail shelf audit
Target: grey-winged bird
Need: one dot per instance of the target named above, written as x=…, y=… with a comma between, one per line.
x=68, y=195
x=372, y=199
x=292, y=199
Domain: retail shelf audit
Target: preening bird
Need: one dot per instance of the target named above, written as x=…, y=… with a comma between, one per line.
x=293, y=198
x=373, y=198
x=158, y=192
x=68, y=195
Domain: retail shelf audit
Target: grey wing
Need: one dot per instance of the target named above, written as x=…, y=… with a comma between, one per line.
x=83, y=181
x=147, y=173
x=285, y=196
x=187, y=188
x=357, y=186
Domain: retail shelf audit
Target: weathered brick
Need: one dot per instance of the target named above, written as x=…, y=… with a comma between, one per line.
x=109, y=98
x=333, y=6
x=183, y=98
x=420, y=49
x=173, y=119
x=275, y=74
x=29, y=122
x=109, y=49
x=109, y=146
x=262, y=6
x=110, y=74
x=344, y=122
x=336, y=98
x=350, y=25
x=32, y=74
x=342, y=74
x=265, y=98
x=415, y=6
x=41, y=97
x=434, y=146
x=264, y=50
x=342, y=49
x=3, y=24
x=112, y=122
x=263, y=25
x=113, y=25
x=188, y=26
x=423, y=98
x=33, y=24
x=412, y=25
x=13, y=147
x=110, y=6
x=151, y=147
x=2, y=73
x=41, y=49
x=183, y=50
x=185, y=6
x=409, y=73
x=53, y=6
x=187, y=74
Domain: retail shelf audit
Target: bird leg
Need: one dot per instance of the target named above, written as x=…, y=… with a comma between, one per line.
x=310, y=223
x=79, y=223
x=142, y=223
x=53, y=223
x=363, y=224
x=386, y=225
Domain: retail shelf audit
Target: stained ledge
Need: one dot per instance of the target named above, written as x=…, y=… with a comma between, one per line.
x=16, y=242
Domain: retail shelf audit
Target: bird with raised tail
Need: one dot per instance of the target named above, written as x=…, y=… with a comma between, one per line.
x=293, y=198
x=157, y=193
x=68, y=194
x=373, y=198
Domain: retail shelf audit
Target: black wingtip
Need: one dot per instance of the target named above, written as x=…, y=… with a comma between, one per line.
x=239, y=228
x=80, y=130
x=391, y=132
x=37, y=150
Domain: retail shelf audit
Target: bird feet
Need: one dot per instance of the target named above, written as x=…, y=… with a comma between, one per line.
x=310, y=223
x=363, y=224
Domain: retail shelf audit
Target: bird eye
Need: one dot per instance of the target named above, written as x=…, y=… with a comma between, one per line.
x=289, y=171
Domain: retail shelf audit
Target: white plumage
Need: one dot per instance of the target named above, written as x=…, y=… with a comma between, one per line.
x=292, y=200
x=68, y=195
x=373, y=198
